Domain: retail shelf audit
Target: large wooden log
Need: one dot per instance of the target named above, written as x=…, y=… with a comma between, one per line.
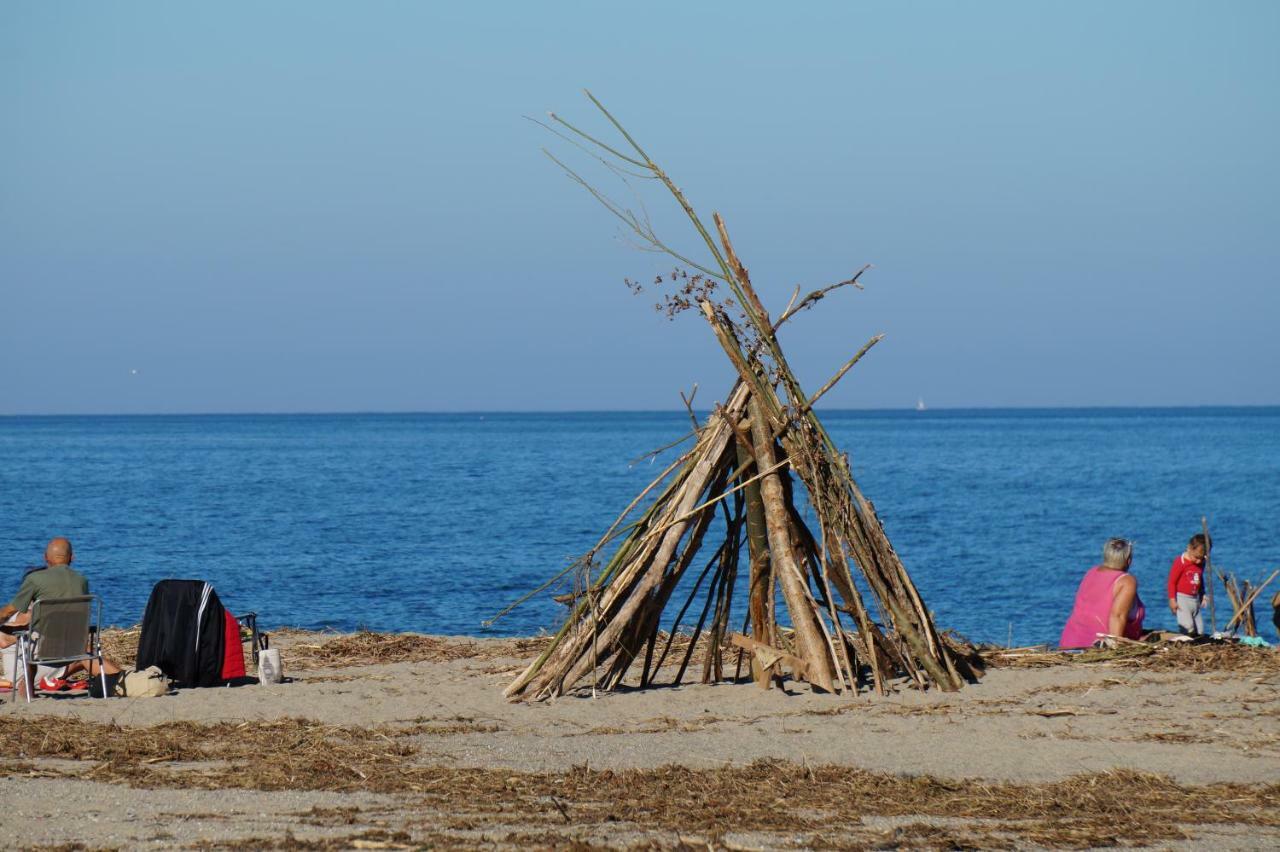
x=811, y=639
x=760, y=580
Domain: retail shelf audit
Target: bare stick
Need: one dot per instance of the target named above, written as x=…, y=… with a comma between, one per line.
x=741, y=485
x=655, y=453
x=605, y=539
x=866, y=347
x=811, y=635
x=795, y=294
x=688, y=405
x=817, y=295
x=1213, y=618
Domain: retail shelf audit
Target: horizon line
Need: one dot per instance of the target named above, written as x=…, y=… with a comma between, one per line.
x=567, y=411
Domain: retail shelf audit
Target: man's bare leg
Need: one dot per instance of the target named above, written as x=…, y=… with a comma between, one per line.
x=108, y=665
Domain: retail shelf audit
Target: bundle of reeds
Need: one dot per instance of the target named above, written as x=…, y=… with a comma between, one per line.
x=742, y=468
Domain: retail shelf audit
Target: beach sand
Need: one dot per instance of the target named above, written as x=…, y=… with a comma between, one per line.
x=354, y=752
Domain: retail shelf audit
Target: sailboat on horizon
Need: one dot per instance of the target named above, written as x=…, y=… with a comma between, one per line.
x=920, y=406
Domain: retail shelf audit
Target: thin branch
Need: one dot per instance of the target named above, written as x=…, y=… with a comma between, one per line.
x=609, y=204
x=726, y=272
x=688, y=405
x=593, y=140
x=696, y=509
x=795, y=295
x=655, y=453
x=840, y=373
x=817, y=296
x=628, y=218
x=586, y=558
x=575, y=564
x=613, y=167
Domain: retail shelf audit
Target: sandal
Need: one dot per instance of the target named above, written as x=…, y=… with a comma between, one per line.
x=51, y=684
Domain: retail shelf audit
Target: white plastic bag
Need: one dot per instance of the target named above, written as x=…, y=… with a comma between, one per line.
x=270, y=669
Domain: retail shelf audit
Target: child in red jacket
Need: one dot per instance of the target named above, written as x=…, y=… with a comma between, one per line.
x=1186, y=586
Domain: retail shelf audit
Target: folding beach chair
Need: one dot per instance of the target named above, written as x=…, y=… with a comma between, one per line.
x=62, y=630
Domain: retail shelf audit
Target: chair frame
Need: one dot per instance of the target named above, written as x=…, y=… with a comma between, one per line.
x=28, y=651
x=257, y=639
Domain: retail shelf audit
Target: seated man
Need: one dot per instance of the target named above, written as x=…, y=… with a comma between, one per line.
x=56, y=580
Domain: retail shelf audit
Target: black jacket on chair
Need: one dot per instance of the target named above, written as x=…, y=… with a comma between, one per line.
x=184, y=633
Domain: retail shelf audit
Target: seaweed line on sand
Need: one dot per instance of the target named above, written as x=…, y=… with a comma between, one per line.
x=308, y=650
x=1224, y=657
x=299, y=754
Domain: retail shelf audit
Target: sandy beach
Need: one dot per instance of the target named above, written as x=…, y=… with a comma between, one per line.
x=399, y=741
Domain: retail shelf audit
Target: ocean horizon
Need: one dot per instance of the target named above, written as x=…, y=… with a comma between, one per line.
x=701, y=411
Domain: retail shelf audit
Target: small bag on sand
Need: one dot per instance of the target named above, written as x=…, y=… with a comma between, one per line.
x=148, y=683
x=270, y=669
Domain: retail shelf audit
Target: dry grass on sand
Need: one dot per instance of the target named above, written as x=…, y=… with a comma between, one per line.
x=826, y=804
x=1197, y=658
x=309, y=650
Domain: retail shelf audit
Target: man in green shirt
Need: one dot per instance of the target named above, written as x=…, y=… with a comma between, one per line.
x=56, y=580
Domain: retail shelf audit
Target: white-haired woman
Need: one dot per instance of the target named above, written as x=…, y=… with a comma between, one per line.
x=1107, y=601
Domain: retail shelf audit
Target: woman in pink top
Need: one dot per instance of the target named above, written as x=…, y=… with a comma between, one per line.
x=1107, y=601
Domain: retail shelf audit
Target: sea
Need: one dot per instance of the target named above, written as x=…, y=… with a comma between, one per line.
x=436, y=522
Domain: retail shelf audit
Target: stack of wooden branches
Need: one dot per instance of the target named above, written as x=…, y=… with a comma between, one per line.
x=844, y=633
x=1242, y=594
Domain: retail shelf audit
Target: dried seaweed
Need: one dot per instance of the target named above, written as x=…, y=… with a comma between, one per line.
x=367, y=648
x=1086, y=810
x=1198, y=658
x=308, y=650
x=121, y=644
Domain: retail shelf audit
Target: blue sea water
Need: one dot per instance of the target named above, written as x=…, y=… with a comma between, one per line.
x=433, y=522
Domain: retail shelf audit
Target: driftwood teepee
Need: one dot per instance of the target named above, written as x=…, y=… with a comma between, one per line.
x=845, y=630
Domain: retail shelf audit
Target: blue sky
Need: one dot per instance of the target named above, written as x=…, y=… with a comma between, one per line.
x=340, y=207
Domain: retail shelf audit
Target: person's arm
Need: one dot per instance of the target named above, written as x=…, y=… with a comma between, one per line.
x=21, y=601
x=1125, y=590
x=1173, y=585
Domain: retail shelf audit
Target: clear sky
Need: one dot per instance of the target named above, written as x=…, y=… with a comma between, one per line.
x=339, y=206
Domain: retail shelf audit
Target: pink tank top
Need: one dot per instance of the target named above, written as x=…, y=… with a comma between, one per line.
x=1092, y=612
